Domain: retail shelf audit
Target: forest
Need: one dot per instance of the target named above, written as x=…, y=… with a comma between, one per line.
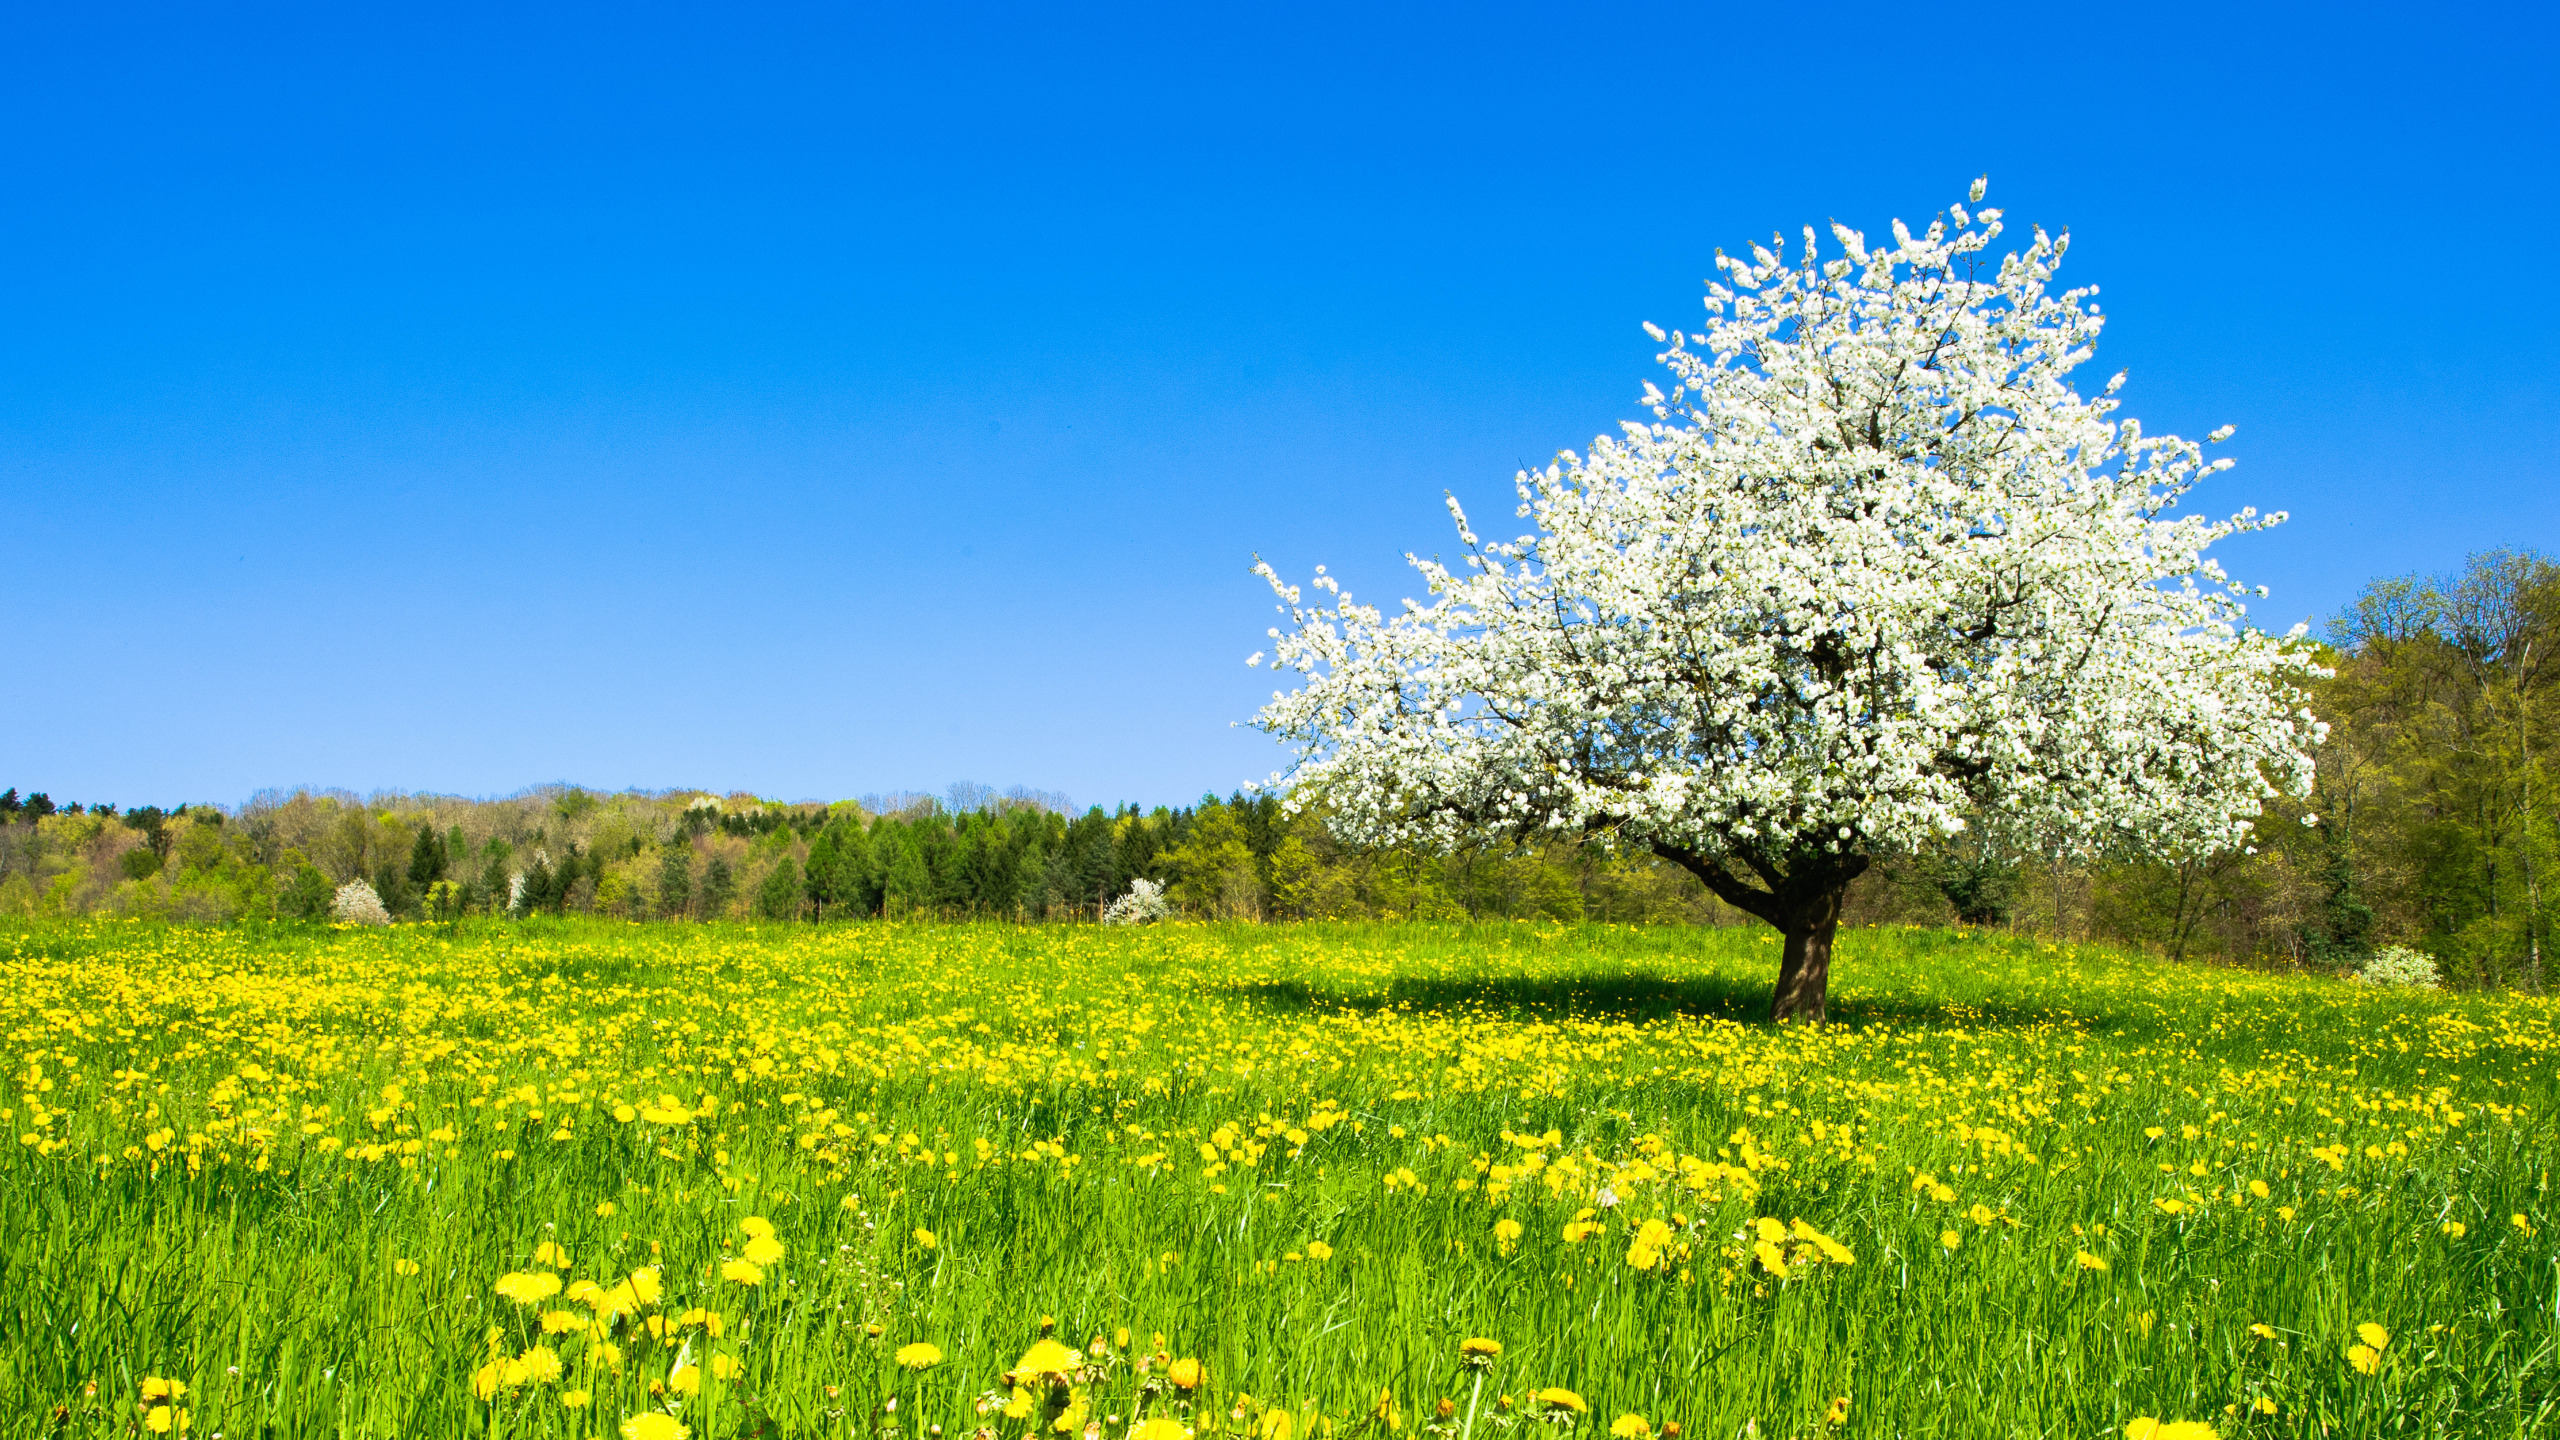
x=2432, y=825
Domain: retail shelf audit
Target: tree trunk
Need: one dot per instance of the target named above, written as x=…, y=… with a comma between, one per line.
x=1804, y=972
x=1804, y=894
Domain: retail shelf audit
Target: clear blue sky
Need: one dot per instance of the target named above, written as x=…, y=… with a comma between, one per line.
x=831, y=400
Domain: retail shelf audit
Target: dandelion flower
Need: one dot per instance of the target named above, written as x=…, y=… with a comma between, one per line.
x=1556, y=1397
x=2087, y=1261
x=529, y=1287
x=2263, y=1330
x=1160, y=1428
x=540, y=1365
x=1630, y=1427
x=763, y=1250
x=1318, y=1250
x=2364, y=1358
x=574, y=1399
x=654, y=1426
x=2374, y=1335
x=2143, y=1427
x=924, y=1238
x=1185, y=1374
x=743, y=1272
x=919, y=1356
x=1047, y=1358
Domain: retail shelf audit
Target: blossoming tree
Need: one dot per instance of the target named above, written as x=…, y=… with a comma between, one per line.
x=1874, y=572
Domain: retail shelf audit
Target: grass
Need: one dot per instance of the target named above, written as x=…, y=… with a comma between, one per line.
x=289, y=1168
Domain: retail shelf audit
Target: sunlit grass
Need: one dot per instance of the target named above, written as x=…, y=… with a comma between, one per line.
x=323, y=1179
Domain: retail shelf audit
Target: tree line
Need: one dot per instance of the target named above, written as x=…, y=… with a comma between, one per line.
x=2432, y=824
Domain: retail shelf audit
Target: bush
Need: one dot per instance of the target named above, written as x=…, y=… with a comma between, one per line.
x=2399, y=965
x=1144, y=902
x=356, y=904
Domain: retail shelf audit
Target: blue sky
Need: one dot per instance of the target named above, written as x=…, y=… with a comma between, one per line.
x=819, y=401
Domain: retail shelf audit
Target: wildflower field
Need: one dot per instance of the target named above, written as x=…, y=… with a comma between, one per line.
x=581, y=1178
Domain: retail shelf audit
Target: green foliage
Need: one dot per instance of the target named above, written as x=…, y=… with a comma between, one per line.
x=719, y=887
x=307, y=895
x=780, y=896
x=675, y=880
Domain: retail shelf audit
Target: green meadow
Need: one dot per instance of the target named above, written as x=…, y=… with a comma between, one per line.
x=586, y=1178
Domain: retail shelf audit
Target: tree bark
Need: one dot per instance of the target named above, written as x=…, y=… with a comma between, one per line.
x=1804, y=971
x=1803, y=897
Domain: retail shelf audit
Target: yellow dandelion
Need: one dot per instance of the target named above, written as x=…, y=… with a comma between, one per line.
x=2374, y=1335
x=1630, y=1427
x=1556, y=1397
x=1047, y=1358
x=654, y=1426
x=2143, y=1427
x=1950, y=1239
x=919, y=1356
x=743, y=1272
x=2087, y=1261
x=1185, y=1374
x=2364, y=1358
x=529, y=1287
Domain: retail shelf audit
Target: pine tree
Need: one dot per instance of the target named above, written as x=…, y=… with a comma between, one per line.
x=675, y=879
x=780, y=896
x=719, y=887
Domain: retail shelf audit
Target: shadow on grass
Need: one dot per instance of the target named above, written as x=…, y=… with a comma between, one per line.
x=1640, y=996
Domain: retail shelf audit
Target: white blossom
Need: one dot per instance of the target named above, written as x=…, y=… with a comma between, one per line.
x=1144, y=902
x=357, y=904
x=2399, y=965
x=1872, y=572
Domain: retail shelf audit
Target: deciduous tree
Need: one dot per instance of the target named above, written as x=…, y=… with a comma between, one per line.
x=1873, y=573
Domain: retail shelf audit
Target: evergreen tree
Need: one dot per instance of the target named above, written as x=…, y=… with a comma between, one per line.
x=538, y=888
x=780, y=896
x=426, y=859
x=307, y=896
x=392, y=885
x=675, y=879
x=719, y=887
x=908, y=884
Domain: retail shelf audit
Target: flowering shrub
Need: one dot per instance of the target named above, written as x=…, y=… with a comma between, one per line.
x=2399, y=965
x=356, y=904
x=1144, y=902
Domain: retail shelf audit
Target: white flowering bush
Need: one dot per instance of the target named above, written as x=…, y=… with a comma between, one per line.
x=357, y=904
x=2400, y=965
x=1873, y=574
x=1144, y=902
